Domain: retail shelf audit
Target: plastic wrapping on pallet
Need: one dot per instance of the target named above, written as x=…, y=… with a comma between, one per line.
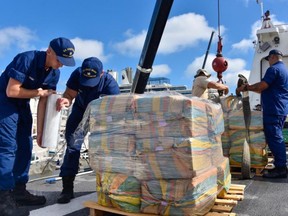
x=223, y=176
x=233, y=115
x=257, y=145
x=180, y=196
x=235, y=134
x=156, y=138
x=160, y=115
x=118, y=191
x=236, y=120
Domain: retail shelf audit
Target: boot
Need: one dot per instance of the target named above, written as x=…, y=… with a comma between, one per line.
x=8, y=206
x=67, y=192
x=24, y=197
x=277, y=172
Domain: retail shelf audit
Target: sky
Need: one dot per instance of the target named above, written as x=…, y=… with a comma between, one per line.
x=115, y=31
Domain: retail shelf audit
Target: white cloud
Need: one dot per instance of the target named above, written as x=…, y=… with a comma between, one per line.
x=133, y=45
x=244, y=45
x=179, y=34
x=160, y=70
x=87, y=48
x=18, y=37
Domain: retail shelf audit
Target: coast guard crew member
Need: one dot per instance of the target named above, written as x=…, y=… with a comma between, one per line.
x=273, y=88
x=30, y=74
x=86, y=83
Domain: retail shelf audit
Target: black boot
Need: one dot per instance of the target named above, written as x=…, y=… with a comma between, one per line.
x=24, y=197
x=8, y=206
x=67, y=192
x=277, y=172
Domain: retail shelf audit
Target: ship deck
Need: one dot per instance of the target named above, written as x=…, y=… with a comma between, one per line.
x=261, y=196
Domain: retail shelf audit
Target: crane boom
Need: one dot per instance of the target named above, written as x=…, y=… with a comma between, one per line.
x=157, y=24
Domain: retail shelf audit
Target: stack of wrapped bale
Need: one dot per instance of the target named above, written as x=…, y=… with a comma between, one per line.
x=157, y=153
x=235, y=133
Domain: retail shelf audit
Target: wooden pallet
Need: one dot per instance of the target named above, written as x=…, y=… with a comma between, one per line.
x=223, y=205
x=235, y=170
x=258, y=170
x=98, y=210
x=225, y=202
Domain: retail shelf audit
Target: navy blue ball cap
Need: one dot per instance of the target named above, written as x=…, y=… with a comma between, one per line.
x=90, y=72
x=274, y=52
x=64, y=50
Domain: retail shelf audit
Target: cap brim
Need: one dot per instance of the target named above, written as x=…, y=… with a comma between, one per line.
x=267, y=58
x=90, y=82
x=66, y=61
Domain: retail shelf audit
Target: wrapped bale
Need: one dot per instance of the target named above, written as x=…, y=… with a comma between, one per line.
x=257, y=146
x=202, y=118
x=183, y=159
x=180, y=197
x=166, y=164
x=118, y=191
x=236, y=120
x=233, y=115
x=226, y=142
x=175, y=128
x=112, y=153
x=235, y=134
x=223, y=177
x=155, y=139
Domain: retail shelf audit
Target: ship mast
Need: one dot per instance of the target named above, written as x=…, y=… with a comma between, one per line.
x=261, y=7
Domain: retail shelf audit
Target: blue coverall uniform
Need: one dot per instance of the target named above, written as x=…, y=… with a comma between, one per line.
x=16, y=118
x=275, y=109
x=106, y=86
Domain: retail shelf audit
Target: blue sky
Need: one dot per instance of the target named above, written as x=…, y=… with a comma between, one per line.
x=115, y=30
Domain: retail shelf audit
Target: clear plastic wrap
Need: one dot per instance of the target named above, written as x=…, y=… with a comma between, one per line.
x=166, y=146
x=235, y=133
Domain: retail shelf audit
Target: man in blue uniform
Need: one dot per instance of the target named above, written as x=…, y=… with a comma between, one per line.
x=274, y=100
x=30, y=74
x=86, y=83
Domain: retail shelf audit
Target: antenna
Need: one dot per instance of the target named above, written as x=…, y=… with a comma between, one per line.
x=261, y=6
x=207, y=52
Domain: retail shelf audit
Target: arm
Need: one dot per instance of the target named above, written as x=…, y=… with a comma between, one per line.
x=15, y=90
x=257, y=87
x=41, y=109
x=66, y=99
x=218, y=86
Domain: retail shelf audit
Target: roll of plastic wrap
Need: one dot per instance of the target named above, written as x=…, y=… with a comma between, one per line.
x=51, y=123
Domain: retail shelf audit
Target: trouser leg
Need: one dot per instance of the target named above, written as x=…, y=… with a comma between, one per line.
x=8, y=147
x=24, y=147
x=273, y=126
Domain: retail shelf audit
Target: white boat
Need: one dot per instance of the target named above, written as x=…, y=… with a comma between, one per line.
x=269, y=37
x=154, y=84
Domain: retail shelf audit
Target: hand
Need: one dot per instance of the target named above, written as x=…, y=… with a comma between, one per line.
x=226, y=91
x=39, y=139
x=45, y=92
x=62, y=102
x=242, y=88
